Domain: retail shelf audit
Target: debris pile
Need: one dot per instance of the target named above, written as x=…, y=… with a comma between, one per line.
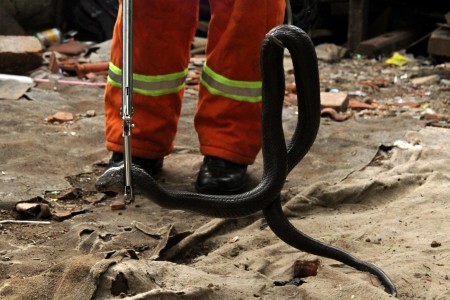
x=353, y=86
x=361, y=88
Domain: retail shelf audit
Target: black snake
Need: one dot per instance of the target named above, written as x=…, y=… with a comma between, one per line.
x=279, y=158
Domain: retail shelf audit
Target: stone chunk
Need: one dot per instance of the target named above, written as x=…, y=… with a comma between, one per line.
x=13, y=89
x=91, y=113
x=19, y=54
x=330, y=52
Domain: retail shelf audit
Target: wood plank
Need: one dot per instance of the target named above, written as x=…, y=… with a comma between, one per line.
x=386, y=43
x=439, y=42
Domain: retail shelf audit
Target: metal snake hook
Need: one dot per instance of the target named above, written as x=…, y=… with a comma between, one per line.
x=127, y=95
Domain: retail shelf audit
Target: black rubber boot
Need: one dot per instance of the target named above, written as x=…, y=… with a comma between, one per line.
x=220, y=177
x=151, y=166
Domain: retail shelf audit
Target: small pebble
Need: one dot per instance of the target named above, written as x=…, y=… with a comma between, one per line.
x=91, y=113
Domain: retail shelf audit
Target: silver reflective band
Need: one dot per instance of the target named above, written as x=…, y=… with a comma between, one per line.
x=151, y=86
x=231, y=90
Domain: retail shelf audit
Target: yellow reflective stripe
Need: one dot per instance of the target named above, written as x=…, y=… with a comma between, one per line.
x=150, y=85
x=248, y=91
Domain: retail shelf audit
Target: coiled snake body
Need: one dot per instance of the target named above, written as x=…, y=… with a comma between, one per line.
x=279, y=158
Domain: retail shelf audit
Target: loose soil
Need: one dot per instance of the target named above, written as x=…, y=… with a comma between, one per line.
x=376, y=185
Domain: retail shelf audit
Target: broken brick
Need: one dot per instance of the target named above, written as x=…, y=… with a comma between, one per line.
x=118, y=205
x=338, y=101
x=425, y=80
x=33, y=210
x=60, y=117
x=91, y=76
x=407, y=104
x=69, y=48
x=434, y=117
x=306, y=268
x=358, y=105
x=53, y=64
x=61, y=216
x=430, y=117
x=291, y=88
x=291, y=99
x=378, y=83
x=193, y=79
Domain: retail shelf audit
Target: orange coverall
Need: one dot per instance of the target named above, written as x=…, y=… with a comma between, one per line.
x=228, y=114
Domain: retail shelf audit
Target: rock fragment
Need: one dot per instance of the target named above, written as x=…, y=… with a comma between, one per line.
x=19, y=54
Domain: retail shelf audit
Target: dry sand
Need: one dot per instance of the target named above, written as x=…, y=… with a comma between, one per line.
x=385, y=202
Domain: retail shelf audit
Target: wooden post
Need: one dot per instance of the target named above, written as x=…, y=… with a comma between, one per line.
x=357, y=22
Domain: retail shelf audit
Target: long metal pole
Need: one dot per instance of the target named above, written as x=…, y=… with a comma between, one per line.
x=127, y=93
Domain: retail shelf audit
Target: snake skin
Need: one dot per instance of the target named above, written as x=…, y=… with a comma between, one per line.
x=279, y=157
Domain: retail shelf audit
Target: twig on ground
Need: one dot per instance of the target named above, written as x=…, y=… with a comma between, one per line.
x=25, y=222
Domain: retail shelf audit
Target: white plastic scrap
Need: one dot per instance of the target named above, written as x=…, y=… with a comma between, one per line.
x=406, y=146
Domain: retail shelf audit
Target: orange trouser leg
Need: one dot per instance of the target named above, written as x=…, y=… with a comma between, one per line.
x=163, y=31
x=228, y=128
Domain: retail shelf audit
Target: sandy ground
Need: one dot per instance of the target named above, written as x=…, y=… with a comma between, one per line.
x=377, y=187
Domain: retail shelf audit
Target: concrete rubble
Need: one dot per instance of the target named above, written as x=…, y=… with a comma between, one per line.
x=19, y=54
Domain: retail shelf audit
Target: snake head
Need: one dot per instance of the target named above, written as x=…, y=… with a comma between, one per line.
x=111, y=181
